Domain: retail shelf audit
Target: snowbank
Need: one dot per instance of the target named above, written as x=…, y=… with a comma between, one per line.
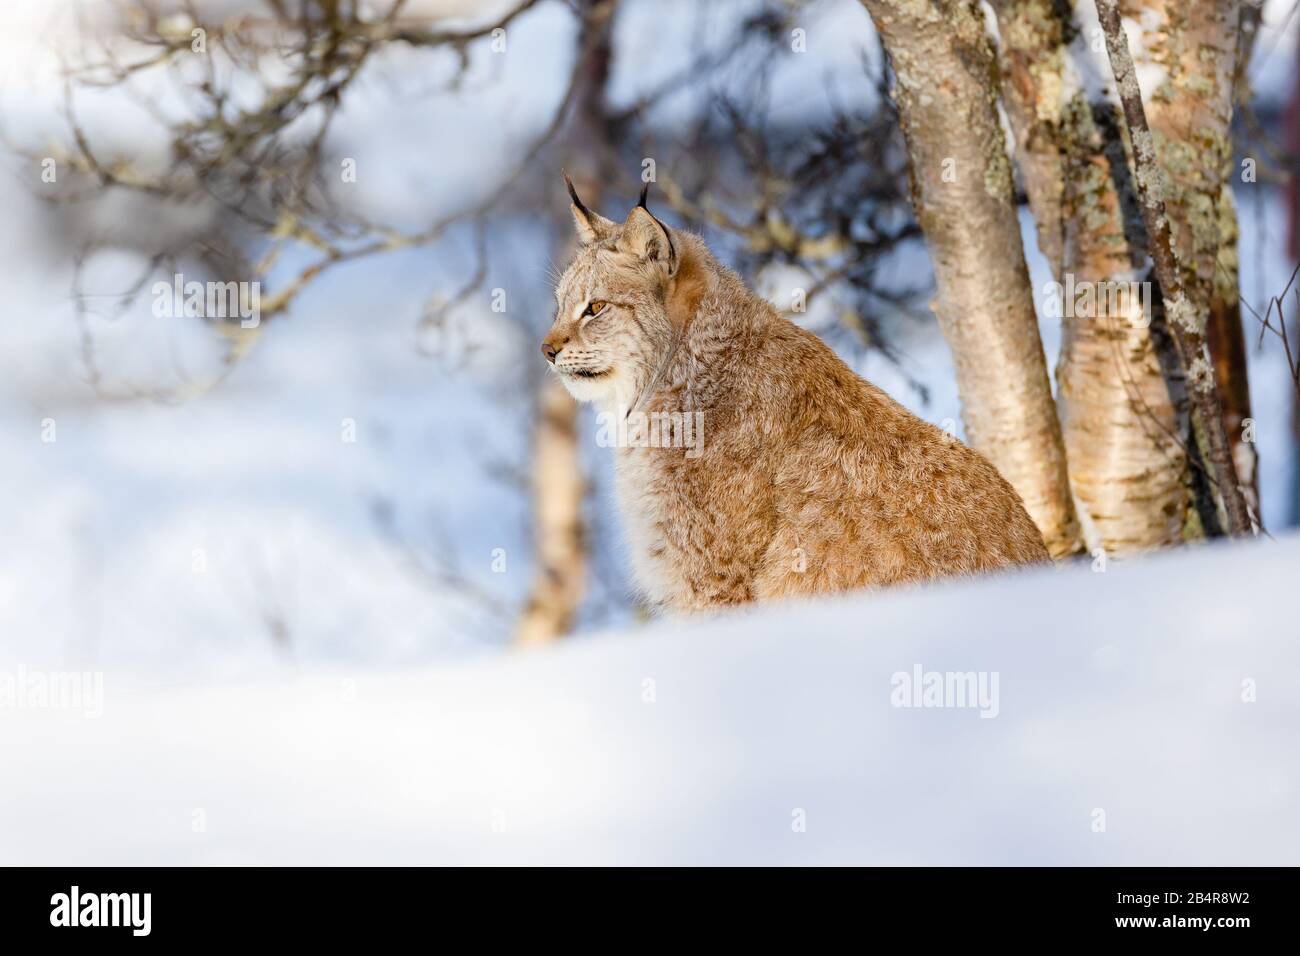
x=1145, y=715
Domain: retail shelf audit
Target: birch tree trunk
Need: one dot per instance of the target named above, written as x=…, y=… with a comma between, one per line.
x=946, y=92
x=1123, y=409
x=1195, y=44
x=1226, y=332
x=559, y=489
x=1186, y=280
x=558, y=484
x=1033, y=54
x=1228, y=347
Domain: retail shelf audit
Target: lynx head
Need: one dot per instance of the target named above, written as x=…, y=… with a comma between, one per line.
x=613, y=332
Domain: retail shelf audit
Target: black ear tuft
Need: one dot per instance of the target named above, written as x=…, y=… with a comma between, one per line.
x=645, y=192
x=591, y=227
x=573, y=194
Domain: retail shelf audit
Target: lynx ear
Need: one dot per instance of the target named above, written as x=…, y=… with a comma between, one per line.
x=647, y=238
x=591, y=226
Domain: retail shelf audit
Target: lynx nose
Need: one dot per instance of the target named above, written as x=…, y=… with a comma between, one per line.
x=553, y=344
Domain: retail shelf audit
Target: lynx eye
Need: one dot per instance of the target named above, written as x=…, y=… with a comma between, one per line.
x=597, y=307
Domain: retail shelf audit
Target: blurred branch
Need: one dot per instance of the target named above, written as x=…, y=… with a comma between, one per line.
x=828, y=199
x=262, y=164
x=1279, y=331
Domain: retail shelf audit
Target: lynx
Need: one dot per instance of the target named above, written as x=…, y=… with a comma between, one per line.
x=802, y=478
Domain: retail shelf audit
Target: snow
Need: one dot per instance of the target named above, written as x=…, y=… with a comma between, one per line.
x=280, y=653
x=1121, y=693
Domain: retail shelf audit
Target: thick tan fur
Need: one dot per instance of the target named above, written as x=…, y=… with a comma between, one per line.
x=809, y=481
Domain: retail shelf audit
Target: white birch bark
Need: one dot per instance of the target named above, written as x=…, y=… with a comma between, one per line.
x=947, y=93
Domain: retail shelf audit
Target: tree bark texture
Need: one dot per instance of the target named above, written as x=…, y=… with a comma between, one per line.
x=1122, y=408
x=946, y=90
x=1187, y=312
x=1227, y=341
x=1197, y=45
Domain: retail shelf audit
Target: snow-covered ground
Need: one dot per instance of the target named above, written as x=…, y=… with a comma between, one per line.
x=289, y=676
x=1144, y=715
